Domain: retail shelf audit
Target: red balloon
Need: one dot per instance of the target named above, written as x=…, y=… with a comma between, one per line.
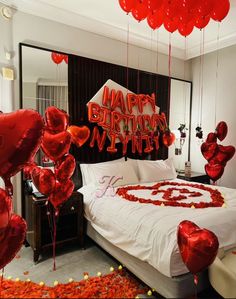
x=191, y=5
x=20, y=137
x=168, y=138
x=79, y=135
x=185, y=29
x=172, y=8
x=205, y=7
x=209, y=150
x=221, y=130
x=214, y=171
x=55, y=146
x=224, y=154
x=66, y=59
x=97, y=138
x=211, y=137
x=61, y=193
x=140, y=11
x=154, y=5
x=44, y=180
x=220, y=10
x=28, y=169
x=57, y=57
x=5, y=209
x=201, y=22
x=155, y=20
x=12, y=239
x=56, y=119
x=128, y=5
x=65, y=169
x=171, y=24
x=198, y=247
x=186, y=16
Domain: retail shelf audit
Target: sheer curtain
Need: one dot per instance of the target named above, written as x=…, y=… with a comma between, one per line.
x=52, y=95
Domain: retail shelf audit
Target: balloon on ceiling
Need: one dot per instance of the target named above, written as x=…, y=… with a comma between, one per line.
x=181, y=15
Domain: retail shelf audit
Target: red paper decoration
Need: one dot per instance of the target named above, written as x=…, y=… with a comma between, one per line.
x=177, y=14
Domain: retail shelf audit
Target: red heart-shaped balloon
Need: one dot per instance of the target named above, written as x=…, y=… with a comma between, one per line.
x=5, y=209
x=211, y=138
x=12, y=239
x=61, y=193
x=209, y=150
x=55, y=146
x=224, y=154
x=44, y=180
x=79, y=134
x=56, y=119
x=198, y=247
x=221, y=130
x=168, y=138
x=20, y=137
x=65, y=169
x=214, y=171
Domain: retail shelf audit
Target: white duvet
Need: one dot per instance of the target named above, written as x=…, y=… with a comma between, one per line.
x=148, y=232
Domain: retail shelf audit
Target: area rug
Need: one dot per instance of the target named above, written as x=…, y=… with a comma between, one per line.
x=118, y=284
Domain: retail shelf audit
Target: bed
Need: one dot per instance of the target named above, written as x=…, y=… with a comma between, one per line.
x=142, y=235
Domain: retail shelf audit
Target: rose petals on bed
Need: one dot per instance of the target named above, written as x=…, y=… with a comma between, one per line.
x=217, y=199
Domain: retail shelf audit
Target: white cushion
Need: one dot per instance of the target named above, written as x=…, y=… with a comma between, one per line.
x=154, y=171
x=119, y=169
x=87, y=178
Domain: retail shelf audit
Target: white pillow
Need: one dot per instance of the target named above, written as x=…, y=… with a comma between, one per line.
x=86, y=173
x=154, y=171
x=119, y=169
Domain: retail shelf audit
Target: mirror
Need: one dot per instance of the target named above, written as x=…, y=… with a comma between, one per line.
x=45, y=83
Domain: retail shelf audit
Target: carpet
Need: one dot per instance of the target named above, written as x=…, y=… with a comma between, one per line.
x=118, y=284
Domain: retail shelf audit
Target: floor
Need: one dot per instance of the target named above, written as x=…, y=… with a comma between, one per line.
x=70, y=263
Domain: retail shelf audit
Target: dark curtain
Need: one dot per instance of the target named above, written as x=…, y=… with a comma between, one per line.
x=86, y=76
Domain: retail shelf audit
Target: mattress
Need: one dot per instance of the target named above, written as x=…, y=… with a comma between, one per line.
x=148, y=232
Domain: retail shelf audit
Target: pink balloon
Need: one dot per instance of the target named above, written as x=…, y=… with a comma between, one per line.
x=140, y=11
x=220, y=10
x=155, y=20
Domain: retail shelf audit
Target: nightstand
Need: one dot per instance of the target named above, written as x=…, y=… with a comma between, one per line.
x=70, y=223
x=195, y=177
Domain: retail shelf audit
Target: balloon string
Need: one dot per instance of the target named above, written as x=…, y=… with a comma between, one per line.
x=169, y=70
x=217, y=69
x=54, y=239
x=157, y=61
x=201, y=75
x=127, y=56
x=49, y=221
x=184, y=85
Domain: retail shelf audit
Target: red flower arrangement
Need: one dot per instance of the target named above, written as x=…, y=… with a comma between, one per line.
x=172, y=201
x=118, y=284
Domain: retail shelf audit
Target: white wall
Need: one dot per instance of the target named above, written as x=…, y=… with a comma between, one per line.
x=38, y=31
x=223, y=107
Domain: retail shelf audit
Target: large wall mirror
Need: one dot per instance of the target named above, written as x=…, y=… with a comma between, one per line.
x=45, y=83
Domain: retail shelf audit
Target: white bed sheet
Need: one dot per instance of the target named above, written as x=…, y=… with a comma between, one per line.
x=148, y=232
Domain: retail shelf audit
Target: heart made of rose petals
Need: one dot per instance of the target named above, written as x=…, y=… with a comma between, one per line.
x=12, y=239
x=61, y=193
x=209, y=150
x=44, y=180
x=56, y=119
x=65, y=169
x=79, y=134
x=198, y=247
x=214, y=171
x=20, y=137
x=55, y=146
x=221, y=130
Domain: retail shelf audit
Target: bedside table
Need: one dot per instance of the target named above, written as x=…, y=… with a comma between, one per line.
x=195, y=177
x=70, y=223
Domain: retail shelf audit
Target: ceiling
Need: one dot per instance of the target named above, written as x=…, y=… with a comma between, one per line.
x=105, y=17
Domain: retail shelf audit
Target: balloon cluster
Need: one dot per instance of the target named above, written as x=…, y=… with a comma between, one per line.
x=181, y=15
x=20, y=137
x=198, y=247
x=56, y=142
x=58, y=57
x=217, y=155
